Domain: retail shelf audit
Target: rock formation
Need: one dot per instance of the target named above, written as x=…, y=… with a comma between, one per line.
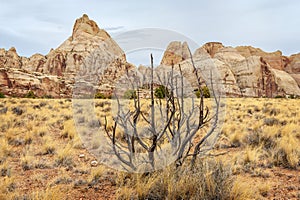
x=90, y=55
x=244, y=71
x=10, y=59
x=175, y=52
x=275, y=59
x=293, y=67
x=54, y=74
x=212, y=47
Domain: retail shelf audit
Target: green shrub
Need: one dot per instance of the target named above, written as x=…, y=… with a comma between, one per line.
x=46, y=96
x=205, y=91
x=278, y=97
x=2, y=95
x=130, y=94
x=161, y=92
x=292, y=96
x=102, y=96
x=30, y=94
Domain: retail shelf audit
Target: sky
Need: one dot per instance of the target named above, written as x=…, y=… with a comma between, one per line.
x=36, y=26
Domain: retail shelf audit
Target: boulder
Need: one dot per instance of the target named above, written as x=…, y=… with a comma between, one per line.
x=286, y=84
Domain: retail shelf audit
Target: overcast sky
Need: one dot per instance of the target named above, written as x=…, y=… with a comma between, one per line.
x=36, y=26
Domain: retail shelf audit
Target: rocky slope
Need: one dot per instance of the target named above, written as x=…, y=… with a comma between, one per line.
x=90, y=55
x=243, y=71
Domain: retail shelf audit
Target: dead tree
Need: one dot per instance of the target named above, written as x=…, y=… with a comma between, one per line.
x=169, y=125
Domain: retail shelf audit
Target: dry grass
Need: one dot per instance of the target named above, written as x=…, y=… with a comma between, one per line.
x=7, y=187
x=40, y=148
x=209, y=179
x=242, y=191
x=64, y=157
x=51, y=193
x=266, y=129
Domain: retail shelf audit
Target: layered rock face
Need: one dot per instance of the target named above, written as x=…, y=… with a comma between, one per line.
x=246, y=71
x=54, y=74
x=175, y=52
x=212, y=48
x=275, y=59
x=91, y=58
x=10, y=58
x=293, y=67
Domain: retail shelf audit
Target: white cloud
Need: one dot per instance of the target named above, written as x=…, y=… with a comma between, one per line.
x=38, y=25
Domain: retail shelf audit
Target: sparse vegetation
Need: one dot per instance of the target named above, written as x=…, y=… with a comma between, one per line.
x=47, y=97
x=102, y=96
x=30, y=94
x=205, y=91
x=2, y=95
x=161, y=92
x=258, y=151
x=130, y=94
x=209, y=179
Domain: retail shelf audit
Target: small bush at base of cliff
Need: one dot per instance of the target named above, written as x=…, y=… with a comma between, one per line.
x=30, y=94
x=130, y=94
x=2, y=95
x=205, y=91
x=161, y=92
x=102, y=96
x=47, y=97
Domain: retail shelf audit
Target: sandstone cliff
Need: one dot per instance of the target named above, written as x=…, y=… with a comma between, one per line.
x=54, y=74
x=293, y=67
x=244, y=71
x=90, y=55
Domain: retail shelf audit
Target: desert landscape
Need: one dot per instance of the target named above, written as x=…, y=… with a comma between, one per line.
x=43, y=155
x=256, y=157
